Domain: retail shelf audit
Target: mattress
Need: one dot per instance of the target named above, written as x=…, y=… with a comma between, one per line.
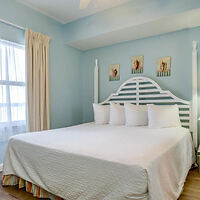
x=103, y=162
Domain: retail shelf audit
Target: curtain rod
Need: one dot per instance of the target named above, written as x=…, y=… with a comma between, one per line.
x=11, y=24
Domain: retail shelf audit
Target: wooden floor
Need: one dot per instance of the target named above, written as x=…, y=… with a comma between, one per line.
x=191, y=190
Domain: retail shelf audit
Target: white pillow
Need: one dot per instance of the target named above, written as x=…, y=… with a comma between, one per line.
x=136, y=115
x=101, y=113
x=163, y=116
x=117, y=115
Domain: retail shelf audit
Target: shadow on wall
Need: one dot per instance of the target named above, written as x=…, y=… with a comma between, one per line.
x=3, y=146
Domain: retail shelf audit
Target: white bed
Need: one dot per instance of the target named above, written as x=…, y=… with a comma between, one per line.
x=104, y=162
x=91, y=161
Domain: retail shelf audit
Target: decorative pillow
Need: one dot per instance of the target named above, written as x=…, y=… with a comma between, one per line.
x=136, y=115
x=163, y=116
x=117, y=115
x=101, y=113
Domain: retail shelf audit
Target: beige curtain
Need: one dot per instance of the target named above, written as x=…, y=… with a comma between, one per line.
x=37, y=60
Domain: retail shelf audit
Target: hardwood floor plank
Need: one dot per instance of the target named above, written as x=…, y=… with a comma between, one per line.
x=191, y=190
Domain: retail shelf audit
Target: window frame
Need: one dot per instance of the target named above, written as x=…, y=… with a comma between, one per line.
x=7, y=84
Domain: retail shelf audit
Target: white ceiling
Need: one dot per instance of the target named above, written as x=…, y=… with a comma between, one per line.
x=65, y=11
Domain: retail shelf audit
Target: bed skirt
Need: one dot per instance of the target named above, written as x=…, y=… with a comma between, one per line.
x=11, y=180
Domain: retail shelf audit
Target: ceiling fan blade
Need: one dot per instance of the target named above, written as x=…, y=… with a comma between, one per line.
x=84, y=3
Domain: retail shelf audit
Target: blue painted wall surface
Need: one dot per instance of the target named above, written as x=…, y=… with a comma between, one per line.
x=178, y=45
x=12, y=34
x=3, y=146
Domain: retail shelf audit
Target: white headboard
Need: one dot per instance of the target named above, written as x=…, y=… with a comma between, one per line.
x=143, y=90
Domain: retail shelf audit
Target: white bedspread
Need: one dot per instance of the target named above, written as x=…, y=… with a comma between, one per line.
x=103, y=162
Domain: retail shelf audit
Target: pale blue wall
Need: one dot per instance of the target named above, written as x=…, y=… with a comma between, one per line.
x=3, y=146
x=12, y=34
x=178, y=45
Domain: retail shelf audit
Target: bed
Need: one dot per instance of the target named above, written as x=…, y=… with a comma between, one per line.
x=105, y=162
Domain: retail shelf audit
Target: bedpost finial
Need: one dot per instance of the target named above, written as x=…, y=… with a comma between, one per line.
x=194, y=45
x=96, y=62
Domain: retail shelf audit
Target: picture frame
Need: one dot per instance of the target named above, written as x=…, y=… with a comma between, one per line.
x=137, y=64
x=164, y=66
x=114, y=72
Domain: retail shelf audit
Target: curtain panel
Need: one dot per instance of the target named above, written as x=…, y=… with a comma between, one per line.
x=37, y=61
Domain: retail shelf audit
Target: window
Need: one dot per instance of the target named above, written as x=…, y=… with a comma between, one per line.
x=12, y=89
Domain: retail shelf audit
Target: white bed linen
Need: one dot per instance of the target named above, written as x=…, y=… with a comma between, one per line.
x=103, y=162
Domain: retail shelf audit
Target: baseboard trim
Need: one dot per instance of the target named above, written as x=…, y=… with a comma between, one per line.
x=1, y=167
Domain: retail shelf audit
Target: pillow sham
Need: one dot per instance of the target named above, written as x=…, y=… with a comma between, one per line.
x=163, y=116
x=136, y=115
x=101, y=113
x=117, y=115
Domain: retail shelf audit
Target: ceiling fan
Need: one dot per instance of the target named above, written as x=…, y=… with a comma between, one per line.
x=84, y=3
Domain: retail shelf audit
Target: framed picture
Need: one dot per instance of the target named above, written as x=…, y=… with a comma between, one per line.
x=164, y=66
x=114, y=72
x=137, y=64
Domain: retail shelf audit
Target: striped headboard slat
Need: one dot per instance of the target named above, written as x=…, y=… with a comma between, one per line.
x=143, y=90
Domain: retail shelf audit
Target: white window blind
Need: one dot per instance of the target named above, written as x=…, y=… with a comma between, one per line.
x=12, y=89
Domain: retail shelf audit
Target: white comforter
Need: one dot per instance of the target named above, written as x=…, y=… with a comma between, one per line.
x=103, y=162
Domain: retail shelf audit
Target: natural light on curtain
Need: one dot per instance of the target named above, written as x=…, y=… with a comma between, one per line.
x=12, y=90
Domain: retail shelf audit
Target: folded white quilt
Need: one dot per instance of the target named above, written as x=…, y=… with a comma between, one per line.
x=103, y=162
